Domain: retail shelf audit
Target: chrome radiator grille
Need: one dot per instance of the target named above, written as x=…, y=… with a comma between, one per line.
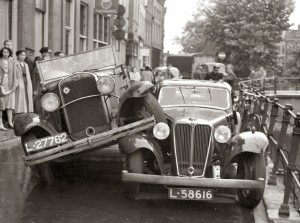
x=183, y=146
x=83, y=107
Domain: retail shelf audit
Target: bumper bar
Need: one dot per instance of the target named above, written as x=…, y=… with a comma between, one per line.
x=192, y=182
x=89, y=143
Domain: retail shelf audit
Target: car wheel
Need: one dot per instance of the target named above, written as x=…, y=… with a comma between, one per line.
x=134, y=164
x=251, y=167
x=42, y=171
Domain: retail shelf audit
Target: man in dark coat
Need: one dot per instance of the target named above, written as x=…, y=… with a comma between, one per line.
x=28, y=59
x=214, y=75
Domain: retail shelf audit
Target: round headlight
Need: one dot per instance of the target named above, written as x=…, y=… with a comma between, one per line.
x=161, y=131
x=222, y=134
x=106, y=85
x=50, y=102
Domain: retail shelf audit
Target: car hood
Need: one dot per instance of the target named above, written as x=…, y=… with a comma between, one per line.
x=207, y=114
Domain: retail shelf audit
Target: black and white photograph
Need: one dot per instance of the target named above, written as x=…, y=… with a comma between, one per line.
x=149, y=111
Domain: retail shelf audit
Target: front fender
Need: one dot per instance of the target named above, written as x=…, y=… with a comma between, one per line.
x=253, y=142
x=136, y=90
x=26, y=121
x=130, y=144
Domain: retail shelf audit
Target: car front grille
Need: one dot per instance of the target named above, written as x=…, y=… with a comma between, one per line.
x=185, y=143
x=84, y=109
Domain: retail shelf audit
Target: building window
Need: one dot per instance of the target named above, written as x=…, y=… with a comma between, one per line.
x=69, y=24
x=83, y=27
x=40, y=10
x=5, y=20
x=101, y=30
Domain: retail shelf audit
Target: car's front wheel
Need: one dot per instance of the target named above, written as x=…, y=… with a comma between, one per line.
x=42, y=171
x=251, y=167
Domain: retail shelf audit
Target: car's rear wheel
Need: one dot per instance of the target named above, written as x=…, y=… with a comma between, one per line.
x=134, y=164
x=251, y=167
x=42, y=171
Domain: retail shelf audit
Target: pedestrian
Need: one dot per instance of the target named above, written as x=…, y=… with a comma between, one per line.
x=252, y=74
x=147, y=75
x=198, y=73
x=231, y=78
x=59, y=54
x=168, y=73
x=261, y=74
x=28, y=59
x=8, y=44
x=24, y=99
x=7, y=85
x=214, y=75
x=45, y=53
x=135, y=75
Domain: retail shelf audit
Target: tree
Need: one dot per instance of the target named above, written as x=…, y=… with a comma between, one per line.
x=246, y=30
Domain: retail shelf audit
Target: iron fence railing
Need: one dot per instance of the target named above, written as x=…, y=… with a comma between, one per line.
x=262, y=112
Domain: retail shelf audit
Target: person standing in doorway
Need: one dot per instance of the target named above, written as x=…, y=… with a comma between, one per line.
x=7, y=86
x=24, y=100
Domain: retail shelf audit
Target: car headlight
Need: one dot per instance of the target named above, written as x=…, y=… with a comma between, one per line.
x=50, y=102
x=106, y=85
x=222, y=134
x=161, y=131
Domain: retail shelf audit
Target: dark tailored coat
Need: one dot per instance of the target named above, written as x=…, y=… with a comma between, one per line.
x=11, y=78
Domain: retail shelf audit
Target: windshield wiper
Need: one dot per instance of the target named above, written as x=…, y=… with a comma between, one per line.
x=182, y=95
x=209, y=94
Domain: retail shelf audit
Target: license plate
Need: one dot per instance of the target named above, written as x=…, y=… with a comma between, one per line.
x=191, y=194
x=46, y=142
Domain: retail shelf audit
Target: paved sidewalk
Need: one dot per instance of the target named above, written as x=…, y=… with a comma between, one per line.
x=268, y=209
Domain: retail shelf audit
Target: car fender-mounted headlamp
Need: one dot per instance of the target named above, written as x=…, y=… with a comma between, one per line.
x=222, y=134
x=106, y=84
x=161, y=131
x=50, y=102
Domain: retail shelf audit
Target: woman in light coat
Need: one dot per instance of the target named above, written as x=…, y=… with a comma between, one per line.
x=7, y=86
x=24, y=94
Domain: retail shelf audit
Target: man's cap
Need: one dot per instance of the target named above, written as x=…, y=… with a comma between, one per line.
x=45, y=50
x=29, y=49
x=216, y=66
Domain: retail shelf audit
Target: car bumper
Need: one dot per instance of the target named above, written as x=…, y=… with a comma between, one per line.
x=192, y=182
x=89, y=143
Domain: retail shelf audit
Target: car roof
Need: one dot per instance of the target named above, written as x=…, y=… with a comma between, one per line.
x=214, y=63
x=198, y=83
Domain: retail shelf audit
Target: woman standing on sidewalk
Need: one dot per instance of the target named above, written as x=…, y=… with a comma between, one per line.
x=23, y=85
x=7, y=86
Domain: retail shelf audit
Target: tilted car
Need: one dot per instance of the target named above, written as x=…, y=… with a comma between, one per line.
x=197, y=149
x=77, y=110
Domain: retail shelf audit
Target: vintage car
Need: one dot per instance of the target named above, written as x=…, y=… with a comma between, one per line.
x=77, y=110
x=197, y=150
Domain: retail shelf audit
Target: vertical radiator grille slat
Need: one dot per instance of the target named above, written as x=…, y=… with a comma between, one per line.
x=183, y=146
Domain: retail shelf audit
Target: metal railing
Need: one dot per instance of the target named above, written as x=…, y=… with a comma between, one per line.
x=257, y=110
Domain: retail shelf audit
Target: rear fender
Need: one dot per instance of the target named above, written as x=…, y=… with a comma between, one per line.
x=26, y=121
x=130, y=144
x=246, y=142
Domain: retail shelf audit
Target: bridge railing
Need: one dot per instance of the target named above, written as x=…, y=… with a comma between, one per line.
x=273, y=84
x=262, y=112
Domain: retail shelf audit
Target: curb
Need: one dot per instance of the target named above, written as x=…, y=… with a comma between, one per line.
x=12, y=141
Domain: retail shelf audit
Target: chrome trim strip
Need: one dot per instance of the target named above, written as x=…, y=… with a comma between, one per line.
x=78, y=99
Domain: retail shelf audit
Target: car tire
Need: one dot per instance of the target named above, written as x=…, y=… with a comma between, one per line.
x=251, y=167
x=43, y=171
x=134, y=164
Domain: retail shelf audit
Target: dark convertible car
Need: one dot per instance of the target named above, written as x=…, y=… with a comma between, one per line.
x=197, y=148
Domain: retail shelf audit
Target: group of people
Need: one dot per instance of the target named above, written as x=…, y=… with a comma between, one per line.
x=19, y=80
x=146, y=74
x=257, y=73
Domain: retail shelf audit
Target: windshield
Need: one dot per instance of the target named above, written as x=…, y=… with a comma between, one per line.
x=64, y=66
x=190, y=95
